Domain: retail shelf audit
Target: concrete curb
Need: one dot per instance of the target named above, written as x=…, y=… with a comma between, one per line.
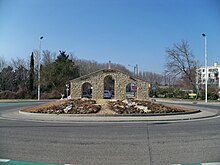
x=120, y=115
x=214, y=163
x=69, y=118
x=193, y=102
x=15, y=162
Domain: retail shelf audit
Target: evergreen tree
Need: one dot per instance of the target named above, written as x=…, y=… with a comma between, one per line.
x=57, y=74
x=31, y=73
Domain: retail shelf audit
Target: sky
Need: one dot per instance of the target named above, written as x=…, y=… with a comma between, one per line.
x=127, y=32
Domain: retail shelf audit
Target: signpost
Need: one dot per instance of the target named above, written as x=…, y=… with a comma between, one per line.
x=154, y=90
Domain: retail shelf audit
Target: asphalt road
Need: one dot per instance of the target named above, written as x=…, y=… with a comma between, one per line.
x=109, y=143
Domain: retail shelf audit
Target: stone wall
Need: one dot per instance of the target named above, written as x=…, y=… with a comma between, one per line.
x=121, y=80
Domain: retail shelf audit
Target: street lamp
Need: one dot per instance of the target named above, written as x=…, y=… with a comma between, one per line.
x=135, y=69
x=39, y=57
x=206, y=72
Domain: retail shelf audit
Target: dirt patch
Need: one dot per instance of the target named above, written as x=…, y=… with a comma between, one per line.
x=105, y=108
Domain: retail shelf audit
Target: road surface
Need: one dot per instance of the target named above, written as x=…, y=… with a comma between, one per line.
x=109, y=143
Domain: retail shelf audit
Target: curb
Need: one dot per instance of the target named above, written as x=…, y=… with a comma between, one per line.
x=15, y=162
x=113, y=118
x=187, y=102
x=119, y=115
x=214, y=163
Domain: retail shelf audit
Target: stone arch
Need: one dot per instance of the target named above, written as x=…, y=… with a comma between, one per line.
x=86, y=90
x=109, y=85
x=121, y=80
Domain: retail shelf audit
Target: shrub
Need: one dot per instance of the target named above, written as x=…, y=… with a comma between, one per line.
x=7, y=95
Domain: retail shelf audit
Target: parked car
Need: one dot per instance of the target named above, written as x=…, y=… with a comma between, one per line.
x=107, y=94
x=86, y=95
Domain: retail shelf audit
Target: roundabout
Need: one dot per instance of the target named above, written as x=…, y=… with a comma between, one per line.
x=22, y=114
x=107, y=139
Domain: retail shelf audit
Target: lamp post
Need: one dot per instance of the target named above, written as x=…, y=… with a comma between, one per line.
x=135, y=69
x=39, y=57
x=206, y=72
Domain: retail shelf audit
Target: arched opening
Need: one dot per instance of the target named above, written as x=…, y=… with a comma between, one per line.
x=109, y=87
x=87, y=90
x=131, y=90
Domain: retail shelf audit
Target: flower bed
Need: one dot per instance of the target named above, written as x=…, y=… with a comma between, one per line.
x=142, y=107
x=77, y=106
x=88, y=106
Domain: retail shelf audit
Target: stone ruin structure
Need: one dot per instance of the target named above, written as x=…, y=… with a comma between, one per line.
x=122, y=85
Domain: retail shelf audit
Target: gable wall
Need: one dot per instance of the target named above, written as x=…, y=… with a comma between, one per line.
x=97, y=82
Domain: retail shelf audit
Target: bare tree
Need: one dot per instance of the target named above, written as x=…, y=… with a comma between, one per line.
x=3, y=63
x=151, y=77
x=48, y=57
x=18, y=62
x=181, y=62
x=89, y=66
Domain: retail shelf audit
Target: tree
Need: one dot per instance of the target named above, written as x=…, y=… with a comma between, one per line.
x=16, y=63
x=151, y=77
x=21, y=74
x=3, y=63
x=31, y=73
x=7, y=79
x=56, y=74
x=48, y=57
x=65, y=69
x=181, y=61
x=89, y=66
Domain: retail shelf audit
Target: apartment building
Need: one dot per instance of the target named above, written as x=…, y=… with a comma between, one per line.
x=213, y=75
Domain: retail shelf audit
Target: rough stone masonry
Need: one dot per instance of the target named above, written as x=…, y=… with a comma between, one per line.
x=121, y=80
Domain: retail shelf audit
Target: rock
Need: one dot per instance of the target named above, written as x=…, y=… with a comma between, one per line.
x=132, y=104
x=68, y=108
x=125, y=101
x=146, y=110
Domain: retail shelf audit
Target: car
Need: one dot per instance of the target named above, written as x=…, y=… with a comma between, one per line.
x=86, y=95
x=107, y=94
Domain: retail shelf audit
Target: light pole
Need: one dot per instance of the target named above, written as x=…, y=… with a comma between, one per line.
x=135, y=69
x=39, y=57
x=206, y=72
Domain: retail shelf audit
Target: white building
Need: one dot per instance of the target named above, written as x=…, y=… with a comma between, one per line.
x=213, y=75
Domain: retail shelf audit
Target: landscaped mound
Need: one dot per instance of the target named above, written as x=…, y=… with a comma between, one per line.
x=89, y=106
x=77, y=106
x=141, y=107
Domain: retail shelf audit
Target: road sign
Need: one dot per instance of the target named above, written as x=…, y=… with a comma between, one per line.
x=153, y=87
